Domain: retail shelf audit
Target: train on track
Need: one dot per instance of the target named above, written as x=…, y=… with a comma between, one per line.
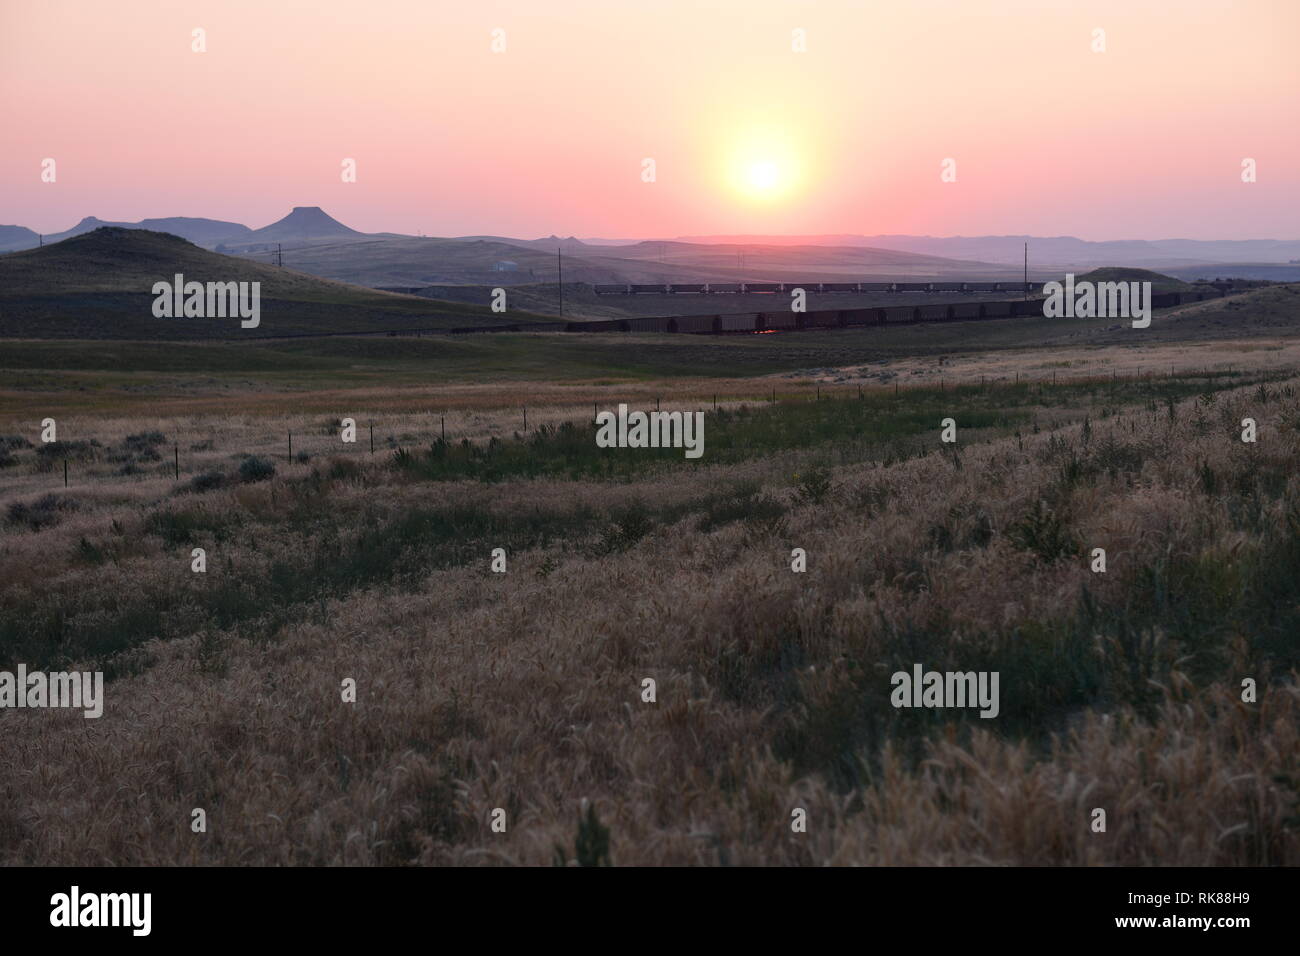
x=821, y=288
x=785, y=320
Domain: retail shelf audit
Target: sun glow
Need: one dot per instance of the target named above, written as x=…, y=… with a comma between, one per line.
x=763, y=166
x=763, y=176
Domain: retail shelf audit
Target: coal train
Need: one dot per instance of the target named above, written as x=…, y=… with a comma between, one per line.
x=822, y=288
x=785, y=320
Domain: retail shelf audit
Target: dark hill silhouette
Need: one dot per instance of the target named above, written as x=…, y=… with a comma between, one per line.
x=99, y=285
x=1159, y=282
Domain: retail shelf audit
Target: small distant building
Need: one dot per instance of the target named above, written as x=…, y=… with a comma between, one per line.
x=505, y=265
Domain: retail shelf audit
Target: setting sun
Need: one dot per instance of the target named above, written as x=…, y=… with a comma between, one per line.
x=763, y=168
x=763, y=177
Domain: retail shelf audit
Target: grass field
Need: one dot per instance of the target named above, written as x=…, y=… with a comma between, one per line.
x=523, y=690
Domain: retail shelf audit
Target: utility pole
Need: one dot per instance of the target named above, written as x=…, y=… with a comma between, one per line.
x=559, y=260
x=1026, y=270
x=279, y=258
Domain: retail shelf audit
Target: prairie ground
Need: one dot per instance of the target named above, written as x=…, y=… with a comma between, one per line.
x=524, y=691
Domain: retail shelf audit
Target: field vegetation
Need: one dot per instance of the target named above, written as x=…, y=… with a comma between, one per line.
x=523, y=690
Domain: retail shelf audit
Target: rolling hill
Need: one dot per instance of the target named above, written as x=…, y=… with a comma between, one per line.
x=410, y=262
x=1159, y=282
x=98, y=285
x=304, y=224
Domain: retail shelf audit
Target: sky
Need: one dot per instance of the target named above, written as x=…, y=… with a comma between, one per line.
x=926, y=117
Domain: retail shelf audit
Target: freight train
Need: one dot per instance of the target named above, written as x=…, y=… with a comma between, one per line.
x=822, y=288
x=783, y=320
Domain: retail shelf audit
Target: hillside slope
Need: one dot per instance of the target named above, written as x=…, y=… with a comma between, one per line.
x=98, y=285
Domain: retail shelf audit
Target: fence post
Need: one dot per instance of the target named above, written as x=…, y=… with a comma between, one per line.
x=177, y=449
x=444, y=428
x=65, y=472
x=291, y=445
x=372, y=438
x=525, y=418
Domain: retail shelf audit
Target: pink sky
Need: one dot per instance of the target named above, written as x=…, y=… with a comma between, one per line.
x=1145, y=140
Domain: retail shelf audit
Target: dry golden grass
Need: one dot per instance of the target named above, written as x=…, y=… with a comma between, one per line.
x=523, y=691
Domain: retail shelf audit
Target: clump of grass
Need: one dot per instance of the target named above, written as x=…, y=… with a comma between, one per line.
x=745, y=503
x=872, y=499
x=631, y=523
x=342, y=469
x=591, y=845
x=1208, y=479
x=177, y=527
x=813, y=486
x=256, y=468
x=90, y=553
x=209, y=480
x=212, y=654
x=1043, y=532
x=44, y=512
x=142, y=446
x=50, y=453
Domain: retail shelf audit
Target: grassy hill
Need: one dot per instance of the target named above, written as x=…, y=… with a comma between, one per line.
x=1159, y=282
x=98, y=285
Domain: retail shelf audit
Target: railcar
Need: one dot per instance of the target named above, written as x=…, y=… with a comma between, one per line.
x=821, y=319
x=694, y=324
x=647, y=325
x=897, y=314
x=736, y=322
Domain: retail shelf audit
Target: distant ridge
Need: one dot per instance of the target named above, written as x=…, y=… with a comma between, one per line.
x=17, y=237
x=1050, y=251
x=205, y=231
